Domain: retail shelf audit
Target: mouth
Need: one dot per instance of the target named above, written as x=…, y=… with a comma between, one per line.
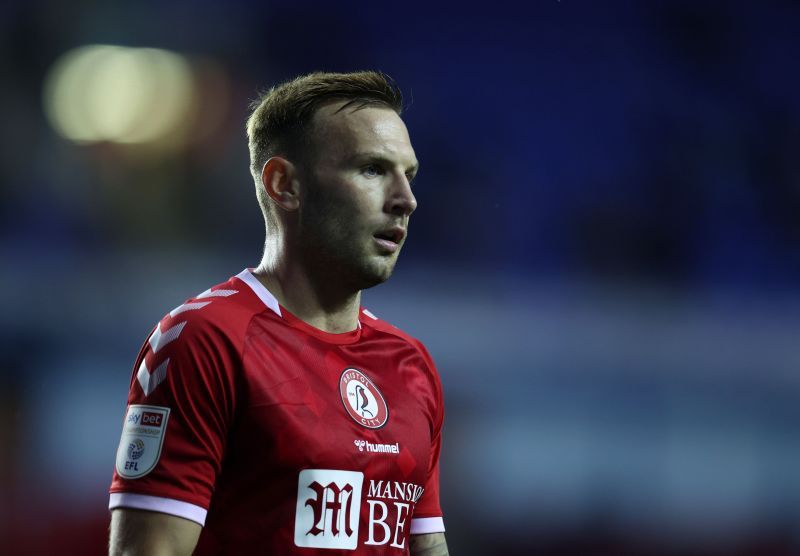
x=390, y=238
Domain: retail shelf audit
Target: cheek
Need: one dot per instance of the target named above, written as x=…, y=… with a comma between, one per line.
x=352, y=207
x=338, y=223
x=342, y=208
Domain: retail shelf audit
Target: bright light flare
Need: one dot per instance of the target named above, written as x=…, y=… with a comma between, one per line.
x=122, y=95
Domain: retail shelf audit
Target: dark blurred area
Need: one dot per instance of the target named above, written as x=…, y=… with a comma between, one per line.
x=604, y=263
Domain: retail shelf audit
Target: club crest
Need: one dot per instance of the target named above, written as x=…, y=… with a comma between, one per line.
x=362, y=400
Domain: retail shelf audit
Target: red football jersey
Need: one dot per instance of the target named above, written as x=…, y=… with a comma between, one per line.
x=278, y=437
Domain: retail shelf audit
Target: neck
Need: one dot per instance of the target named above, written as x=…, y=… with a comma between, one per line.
x=308, y=295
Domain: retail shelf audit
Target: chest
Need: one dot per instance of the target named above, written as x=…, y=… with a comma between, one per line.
x=366, y=407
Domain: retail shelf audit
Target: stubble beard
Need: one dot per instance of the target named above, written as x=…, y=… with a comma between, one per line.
x=342, y=253
x=349, y=262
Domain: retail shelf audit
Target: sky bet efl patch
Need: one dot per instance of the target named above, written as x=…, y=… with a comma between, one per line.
x=142, y=438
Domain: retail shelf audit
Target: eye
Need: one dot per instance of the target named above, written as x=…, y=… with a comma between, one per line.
x=411, y=176
x=372, y=170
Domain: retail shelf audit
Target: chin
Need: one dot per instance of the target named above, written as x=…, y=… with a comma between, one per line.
x=376, y=273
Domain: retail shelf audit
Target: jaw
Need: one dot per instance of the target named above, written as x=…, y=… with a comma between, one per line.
x=349, y=261
x=377, y=268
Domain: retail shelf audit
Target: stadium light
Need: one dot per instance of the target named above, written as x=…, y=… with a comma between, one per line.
x=118, y=94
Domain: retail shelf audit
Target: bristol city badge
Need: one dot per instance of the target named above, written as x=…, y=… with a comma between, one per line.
x=362, y=400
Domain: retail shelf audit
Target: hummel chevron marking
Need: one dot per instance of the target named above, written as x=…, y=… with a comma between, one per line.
x=193, y=306
x=148, y=380
x=158, y=339
x=216, y=293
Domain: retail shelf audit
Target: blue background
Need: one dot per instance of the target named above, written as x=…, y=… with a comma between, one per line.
x=604, y=263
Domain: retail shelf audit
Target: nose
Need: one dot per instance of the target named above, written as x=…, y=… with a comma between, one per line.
x=400, y=200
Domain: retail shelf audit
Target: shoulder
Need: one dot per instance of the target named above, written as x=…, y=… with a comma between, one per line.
x=370, y=320
x=427, y=366
x=203, y=335
x=221, y=312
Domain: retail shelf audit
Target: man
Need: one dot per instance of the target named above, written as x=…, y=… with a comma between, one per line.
x=272, y=414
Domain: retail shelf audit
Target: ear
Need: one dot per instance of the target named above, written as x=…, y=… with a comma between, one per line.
x=279, y=179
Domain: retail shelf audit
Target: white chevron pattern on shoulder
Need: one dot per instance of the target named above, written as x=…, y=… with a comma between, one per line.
x=147, y=380
x=216, y=293
x=159, y=339
x=191, y=306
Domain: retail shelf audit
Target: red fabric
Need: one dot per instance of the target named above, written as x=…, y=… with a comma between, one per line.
x=255, y=399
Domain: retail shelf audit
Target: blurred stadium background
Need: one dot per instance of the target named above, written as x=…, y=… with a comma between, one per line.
x=605, y=261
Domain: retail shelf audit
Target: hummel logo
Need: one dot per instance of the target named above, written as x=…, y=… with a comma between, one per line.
x=377, y=448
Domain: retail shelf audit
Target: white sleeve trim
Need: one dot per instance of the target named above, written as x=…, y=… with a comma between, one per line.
x=425, y=525
x=163, y=505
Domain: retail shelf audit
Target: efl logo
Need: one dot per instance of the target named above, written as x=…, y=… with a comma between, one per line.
x=328, y=507
x=142, y=439
x=362, y=399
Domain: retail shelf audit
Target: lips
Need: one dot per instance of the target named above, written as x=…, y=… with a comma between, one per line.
x=394, y=234
x=390, y=238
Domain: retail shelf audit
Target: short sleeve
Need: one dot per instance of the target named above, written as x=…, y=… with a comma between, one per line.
x=427, y=516
x=180, y=408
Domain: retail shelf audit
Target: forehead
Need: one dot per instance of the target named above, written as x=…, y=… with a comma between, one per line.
x=372, y=129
